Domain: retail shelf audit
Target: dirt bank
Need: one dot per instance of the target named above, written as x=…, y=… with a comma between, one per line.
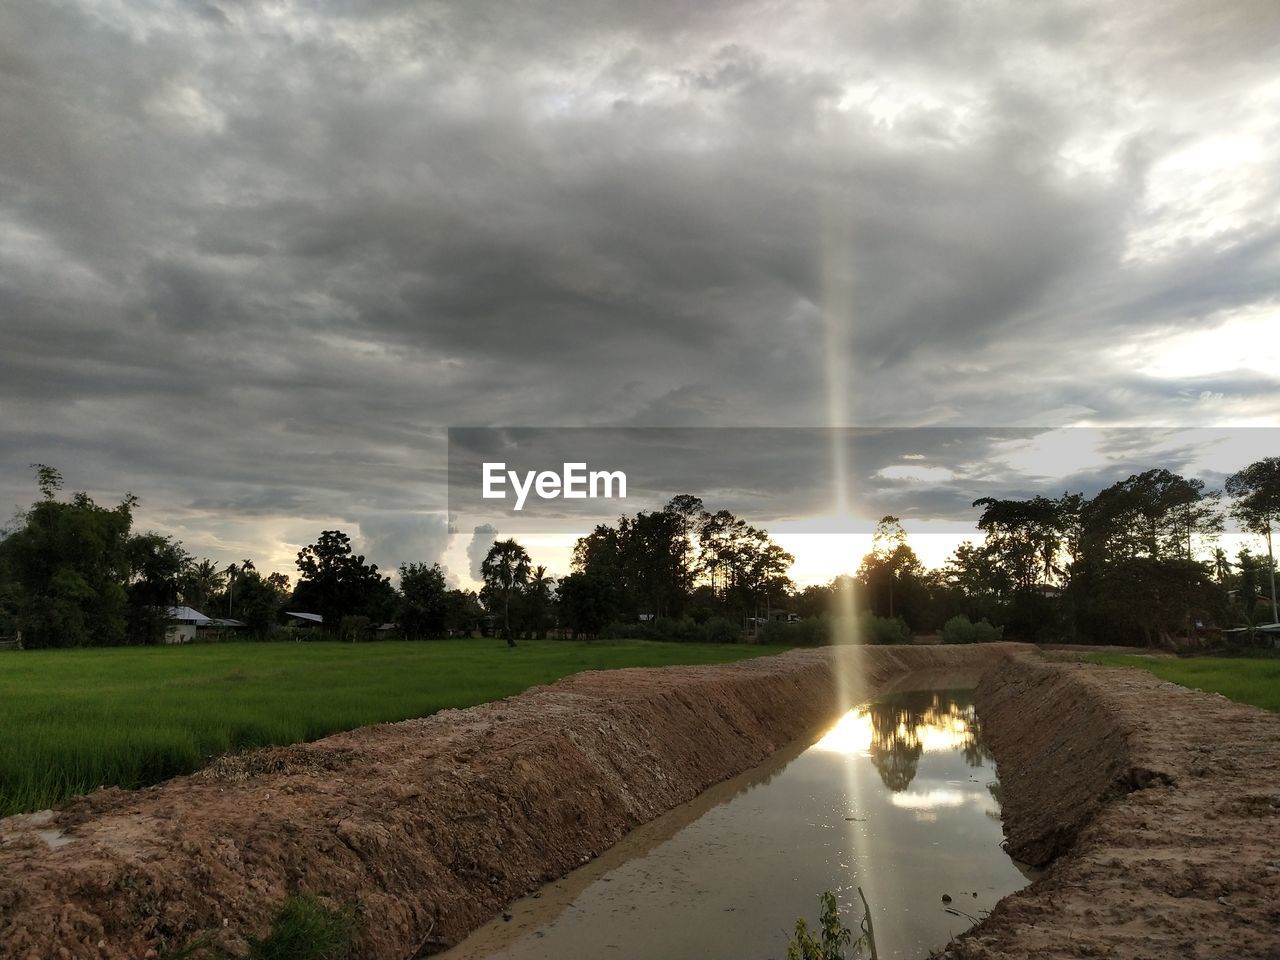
x=430, y=825
x=1161, y=804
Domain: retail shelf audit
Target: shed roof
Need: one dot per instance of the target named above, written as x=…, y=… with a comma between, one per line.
x=188, y=614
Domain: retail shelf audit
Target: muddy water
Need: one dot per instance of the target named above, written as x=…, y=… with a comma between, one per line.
x=899, y=797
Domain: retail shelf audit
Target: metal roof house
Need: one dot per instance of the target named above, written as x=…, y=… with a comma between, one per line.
x=183, y=622
x=186, y=622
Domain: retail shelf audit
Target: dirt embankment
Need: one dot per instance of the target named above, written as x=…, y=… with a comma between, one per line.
x=430, y=825
x=1161, y=805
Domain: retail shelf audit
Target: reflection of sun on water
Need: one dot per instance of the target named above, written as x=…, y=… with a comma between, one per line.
x=855, y=732
x=851, y=734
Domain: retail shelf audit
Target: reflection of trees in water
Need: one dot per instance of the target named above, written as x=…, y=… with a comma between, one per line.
x=900, y=722
x=997, y=794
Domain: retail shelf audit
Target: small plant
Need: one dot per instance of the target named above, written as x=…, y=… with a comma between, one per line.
x=305, y=929
x=833, y=935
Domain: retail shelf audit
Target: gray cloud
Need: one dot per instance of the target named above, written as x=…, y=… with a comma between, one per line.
x=254, y=260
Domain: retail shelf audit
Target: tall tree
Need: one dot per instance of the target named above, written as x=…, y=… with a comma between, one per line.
x=539, y=597
x=505, y=570
x=156, y=564
x=335, y=582
x=421, y=611
x=890, y=563
x=69, y=563
x=1255, y=491
x=199, y=584
x=587, y=602
x=1134, y=579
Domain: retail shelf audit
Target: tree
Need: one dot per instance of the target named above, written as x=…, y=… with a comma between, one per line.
x=156, y=564
x=69, y=567
x=890, y=562
x=462, y=612
x=336, y=583
x=199, y=584
x=258, y=599
x=587, y=603
x=538, y=596
x=422, y=608
x=1255, y=491
x=1135, y=577
x=1155, y=514
x=1028, y=538
x=505, y=570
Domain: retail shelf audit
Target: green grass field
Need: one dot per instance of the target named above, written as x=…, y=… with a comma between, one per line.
x=1254, y=680
x=74, y=720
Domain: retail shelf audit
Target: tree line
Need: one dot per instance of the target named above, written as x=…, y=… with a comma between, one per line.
x=1137, y=563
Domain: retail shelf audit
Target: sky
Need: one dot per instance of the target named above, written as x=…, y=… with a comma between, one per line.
x=257, y=257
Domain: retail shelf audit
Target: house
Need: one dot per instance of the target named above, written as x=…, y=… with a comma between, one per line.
x=305, y=620
x=1268, y=632
x=183, y=624
x=1272, y=632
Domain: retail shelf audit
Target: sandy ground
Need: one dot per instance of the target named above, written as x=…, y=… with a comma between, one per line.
x=1158, y=809
x=1157, y=806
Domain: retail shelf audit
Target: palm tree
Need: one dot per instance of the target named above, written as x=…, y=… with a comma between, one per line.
x=540, y=584
x=1221, y=565
x=505, y=568
x=200, y=582
x=231, y=573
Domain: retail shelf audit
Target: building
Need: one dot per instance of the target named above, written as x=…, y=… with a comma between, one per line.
x=183, y=624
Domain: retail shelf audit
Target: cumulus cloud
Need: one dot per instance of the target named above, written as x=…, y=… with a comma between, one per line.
x=481, y=540
x=255, y=258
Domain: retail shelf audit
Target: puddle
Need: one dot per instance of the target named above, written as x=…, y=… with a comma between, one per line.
x=899, y=797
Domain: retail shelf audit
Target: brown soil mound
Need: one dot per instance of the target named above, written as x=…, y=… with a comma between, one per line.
x=430, y=825
x=1166, y=802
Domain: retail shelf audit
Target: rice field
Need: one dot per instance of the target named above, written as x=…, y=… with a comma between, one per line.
x=1253, y=680
x=75, y=720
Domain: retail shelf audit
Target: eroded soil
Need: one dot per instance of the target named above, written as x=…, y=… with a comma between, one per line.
x=1158, y=809
x=430, y=825
x=1160, y=804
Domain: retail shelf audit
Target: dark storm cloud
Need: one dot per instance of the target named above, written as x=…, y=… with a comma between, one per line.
x=254, y=258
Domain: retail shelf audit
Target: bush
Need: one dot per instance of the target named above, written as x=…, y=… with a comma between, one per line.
x=960, y=629
x=719, y=630
x=684, y=630
x=882, y=630
x=866, y=628
x=814, y=632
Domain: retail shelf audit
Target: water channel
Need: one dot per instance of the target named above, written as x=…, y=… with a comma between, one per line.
x=898, y=796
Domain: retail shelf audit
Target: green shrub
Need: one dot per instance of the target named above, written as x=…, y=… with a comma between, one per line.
x=814, y=632
x=833, y=935
x=882, y=630
x=305, y=929
x=960, y=629
x=684, y=630
x=720, y=630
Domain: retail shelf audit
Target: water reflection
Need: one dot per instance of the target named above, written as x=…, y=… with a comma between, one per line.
x=898, y=797
x=895, y=731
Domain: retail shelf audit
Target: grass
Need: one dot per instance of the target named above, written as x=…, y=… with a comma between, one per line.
x=305, y=929
x=74, y=720
x=1254, y=680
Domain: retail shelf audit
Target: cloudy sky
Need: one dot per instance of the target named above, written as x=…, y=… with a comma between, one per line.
x=256, y=257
